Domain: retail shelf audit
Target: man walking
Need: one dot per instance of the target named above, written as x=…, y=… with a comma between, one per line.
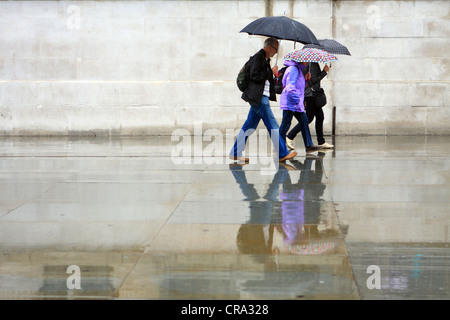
x=261, y=89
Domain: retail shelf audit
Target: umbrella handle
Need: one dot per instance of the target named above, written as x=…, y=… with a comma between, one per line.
x=276, y=61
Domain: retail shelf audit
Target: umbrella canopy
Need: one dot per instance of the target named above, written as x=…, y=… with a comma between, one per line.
x=331, y=46
x=310, y=55
x=282, y=28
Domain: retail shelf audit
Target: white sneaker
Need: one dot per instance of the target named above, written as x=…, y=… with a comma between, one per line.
x=326, y=146
x=290, y=144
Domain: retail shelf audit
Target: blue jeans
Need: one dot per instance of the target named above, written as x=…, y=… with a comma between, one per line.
x=255, y=114
x=301, y=126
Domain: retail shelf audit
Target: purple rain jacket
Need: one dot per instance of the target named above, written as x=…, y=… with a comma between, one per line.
x=293, y=93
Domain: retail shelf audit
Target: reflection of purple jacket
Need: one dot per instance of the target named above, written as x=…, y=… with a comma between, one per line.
x=292, y=213
x=293, y=93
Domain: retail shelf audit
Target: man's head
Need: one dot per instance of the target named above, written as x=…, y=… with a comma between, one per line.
x=270, y=47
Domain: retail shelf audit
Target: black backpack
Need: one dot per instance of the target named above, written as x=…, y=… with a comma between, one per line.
x=242, y=78
x=279, y=80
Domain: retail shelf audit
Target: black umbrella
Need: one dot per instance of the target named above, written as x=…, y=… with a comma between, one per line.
x=282, y=28
x=331, y=46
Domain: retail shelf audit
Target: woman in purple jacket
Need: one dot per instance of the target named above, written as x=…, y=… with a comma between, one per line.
x=292, y=102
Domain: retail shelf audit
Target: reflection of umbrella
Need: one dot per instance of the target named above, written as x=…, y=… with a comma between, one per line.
x=282, y=28
x=331, y=46
x=310, y=55
x=311, y=248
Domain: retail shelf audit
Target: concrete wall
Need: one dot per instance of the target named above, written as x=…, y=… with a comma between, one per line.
x=147, y=67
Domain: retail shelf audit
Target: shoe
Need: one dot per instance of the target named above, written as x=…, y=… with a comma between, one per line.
x=287, y=166
x=290, y=144
x=326, y=145
x=242, y=159
x=289, y=156
x=313, y=148
x=237, y=165
x=310, y=156
x=323, y=151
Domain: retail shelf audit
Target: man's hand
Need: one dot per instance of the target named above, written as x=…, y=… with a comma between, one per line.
x=275, y=71
x=308, y=76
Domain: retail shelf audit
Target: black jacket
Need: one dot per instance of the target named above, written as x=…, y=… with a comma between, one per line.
x=259, y=72
x=316, y=76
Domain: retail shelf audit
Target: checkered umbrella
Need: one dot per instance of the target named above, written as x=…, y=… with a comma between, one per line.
x=310, y=55
x=331, y=46
x=311, y=248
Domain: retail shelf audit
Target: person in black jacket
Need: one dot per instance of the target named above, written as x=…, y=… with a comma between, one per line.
x=261, y=89
x=312, y=111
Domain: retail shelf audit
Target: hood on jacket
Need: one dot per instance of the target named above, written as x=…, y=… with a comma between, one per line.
x=289, y=63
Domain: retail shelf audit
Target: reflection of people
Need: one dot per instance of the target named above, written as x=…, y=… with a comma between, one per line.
x=260, y=90
x=256, y=236
x=312, y=111
x=301, y=205
x=292, y=102
x=293, y=210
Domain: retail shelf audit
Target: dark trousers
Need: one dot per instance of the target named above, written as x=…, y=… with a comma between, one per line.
x=302, y=125
x=311, y=112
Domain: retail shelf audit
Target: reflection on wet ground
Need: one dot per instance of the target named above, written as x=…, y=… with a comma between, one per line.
x=123, y=218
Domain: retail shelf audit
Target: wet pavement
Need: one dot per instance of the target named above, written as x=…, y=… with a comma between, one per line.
x=136, y=218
